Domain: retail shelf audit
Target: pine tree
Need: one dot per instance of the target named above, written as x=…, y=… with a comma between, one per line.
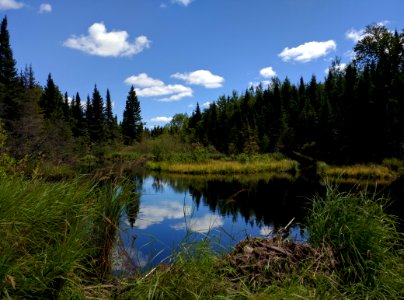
x=109, y=118
x=132, y=122
x=97, y=124
x=8, y=71
x=79, y=126
x=52, y=100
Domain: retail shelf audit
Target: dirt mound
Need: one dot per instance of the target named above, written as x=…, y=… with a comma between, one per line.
x=267, y=261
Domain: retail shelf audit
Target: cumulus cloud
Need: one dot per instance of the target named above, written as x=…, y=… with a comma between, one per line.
x=146, y=86
x=10, y=4
x=183, y=2
x=308, y=51
x=155, y=214
x=45, y=8
x=102, y=43
x=203, y=224
x=161, y=119
x=267, y=72
x=143, y=80
x=266, y=230
x=201, y=77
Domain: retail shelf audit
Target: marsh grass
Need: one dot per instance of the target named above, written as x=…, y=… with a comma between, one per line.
x=54, y=237
x=225, y=167
x=359, y=173
x=368, y=247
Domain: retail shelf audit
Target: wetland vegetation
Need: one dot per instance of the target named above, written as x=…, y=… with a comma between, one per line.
x=65, y=182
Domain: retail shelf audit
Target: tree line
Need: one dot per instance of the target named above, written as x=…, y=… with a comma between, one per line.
x=43, y=121
x=355, y=115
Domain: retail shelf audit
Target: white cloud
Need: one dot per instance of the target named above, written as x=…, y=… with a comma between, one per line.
x=183, y=2
x=45, y=8
x=267, y=72
x=206, y=104
x=263, y=83
x=201, y=77
x=203, y=224
x=340, y=67
x=102, y=43
x=150, y=87
x=354, y=35
x=10, y=4
x=161, y=119
x=155, y=214
x=143, y=80
x=178, y=96
x=308, y=51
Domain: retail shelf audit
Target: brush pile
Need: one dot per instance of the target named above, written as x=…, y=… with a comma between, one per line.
x=267, y=261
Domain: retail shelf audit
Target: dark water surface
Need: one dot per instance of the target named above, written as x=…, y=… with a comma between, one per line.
x=174, y=211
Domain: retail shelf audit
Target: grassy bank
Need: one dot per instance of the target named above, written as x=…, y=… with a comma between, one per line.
x=55, y=237
x=383, y=173
x=239, y=165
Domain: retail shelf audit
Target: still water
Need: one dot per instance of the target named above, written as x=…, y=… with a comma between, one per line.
x=174, y=211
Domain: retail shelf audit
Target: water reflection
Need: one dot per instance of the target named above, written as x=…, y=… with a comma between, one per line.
x=168, y=210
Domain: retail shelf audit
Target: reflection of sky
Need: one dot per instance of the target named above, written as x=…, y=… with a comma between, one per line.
x=166, y=218
x=203, y=224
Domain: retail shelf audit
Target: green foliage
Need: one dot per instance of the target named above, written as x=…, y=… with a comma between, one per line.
x=365, y=240
x=132, y=121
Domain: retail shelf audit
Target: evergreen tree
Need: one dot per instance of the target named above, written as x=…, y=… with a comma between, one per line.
x=97, y=123
x=132, y=122
x=110, y=122
x=79, y=125
x=8, y=72
x=52, y=101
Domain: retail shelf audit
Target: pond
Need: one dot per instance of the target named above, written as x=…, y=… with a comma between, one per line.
x=175, y=211
x=171, y=212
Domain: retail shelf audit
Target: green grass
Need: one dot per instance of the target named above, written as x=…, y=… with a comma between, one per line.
x=56, y=241
x=54, y=237
x=359, y=173
x=367, y=244
x=225, y=167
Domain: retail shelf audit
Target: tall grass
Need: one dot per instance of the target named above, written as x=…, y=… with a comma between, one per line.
x=50, y=242
x=365, y=240
x=225, y=167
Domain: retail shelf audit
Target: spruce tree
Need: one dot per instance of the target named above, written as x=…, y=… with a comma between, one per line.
x=109, y=118
x=52, y=101
x=132, y=121
x=97, y=124
x=8, y=71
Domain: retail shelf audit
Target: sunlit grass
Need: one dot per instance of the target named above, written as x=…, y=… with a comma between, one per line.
x=54, y=237
x=225, y=167
x=358, y=173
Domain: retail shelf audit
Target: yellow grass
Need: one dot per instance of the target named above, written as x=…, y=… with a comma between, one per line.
x=225, y=167
x=358, y=172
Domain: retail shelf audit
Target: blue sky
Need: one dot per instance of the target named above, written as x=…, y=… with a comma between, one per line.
x=180, y=52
